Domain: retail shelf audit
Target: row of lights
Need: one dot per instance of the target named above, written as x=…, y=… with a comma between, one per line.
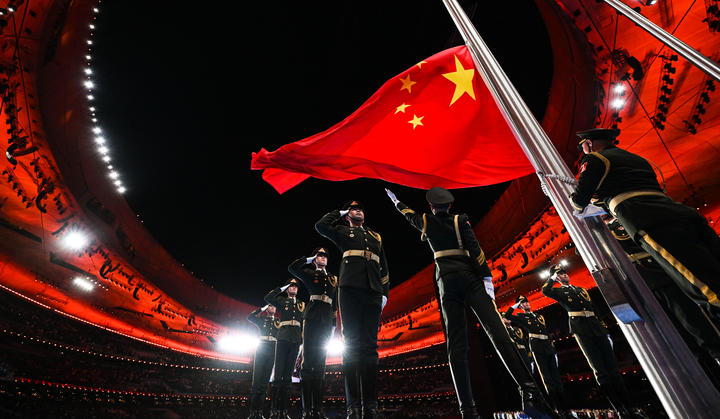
x=100, y=140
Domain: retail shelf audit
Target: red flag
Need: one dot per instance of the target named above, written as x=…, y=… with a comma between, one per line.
x=436, y=124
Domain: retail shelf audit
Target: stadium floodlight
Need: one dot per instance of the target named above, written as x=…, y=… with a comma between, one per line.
x=545, y=274
x=564, y=262
x=335, y=347
x=238, y=343
x=83, y=284
x=75, y=240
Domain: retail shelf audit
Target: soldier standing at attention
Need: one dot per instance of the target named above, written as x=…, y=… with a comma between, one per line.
x=289, y=337
x=675, y=235
x=319, y=320
x=541, y=347
x=363, y=287
x=264, y=319
x=592, y=337
x=463, y=277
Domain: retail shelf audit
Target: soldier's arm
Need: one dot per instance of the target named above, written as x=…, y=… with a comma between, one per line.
x=471, y=244
x=272, y=297
x=326, y=225
x=253, y=317
x=297, y=269
x=508, y=314
x=548, y=290
x=593, y=169
x=384, y=272
x=416, y=220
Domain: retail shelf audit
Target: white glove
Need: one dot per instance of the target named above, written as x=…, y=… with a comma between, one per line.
x=589, y=211
x=265, y=307
x=384, y=301
x=489, y=287
x=310, y=259
x=344, y=212
x=557, y=364
x=516, y=305
x=284, y=288
x=611, y=342
x=391, y=196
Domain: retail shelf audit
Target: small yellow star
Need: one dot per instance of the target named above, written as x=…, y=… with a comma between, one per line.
x=421, y=63
x=407, y=83
x=416, y=121
x=401, y=108
x=463, y=81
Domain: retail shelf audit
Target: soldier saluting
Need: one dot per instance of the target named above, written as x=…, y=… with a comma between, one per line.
x=264, y=319
x=463, y=277
x=289, y=336
x=319, y=320
x=363, y=287
x=675, y=235
x=592, y=337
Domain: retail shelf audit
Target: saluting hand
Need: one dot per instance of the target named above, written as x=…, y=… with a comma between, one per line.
x=392, y=196
x=310, y=259
x=344, y=212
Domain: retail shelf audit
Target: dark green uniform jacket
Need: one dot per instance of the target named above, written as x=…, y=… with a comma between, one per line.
x=576, y=300
x=533, y=324
x=265, y=324
x=439, y=231
x=317, y=282
x=290, y=310
x=357, y=271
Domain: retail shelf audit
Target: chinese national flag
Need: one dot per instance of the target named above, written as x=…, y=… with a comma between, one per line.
x=436, y=124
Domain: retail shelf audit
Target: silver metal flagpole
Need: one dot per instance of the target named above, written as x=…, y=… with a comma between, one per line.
x=680, y=383
x=684, y=50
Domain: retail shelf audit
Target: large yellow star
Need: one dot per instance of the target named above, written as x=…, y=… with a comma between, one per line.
x=407, y=83
x=416, y=121
x=463, y=81
x=401, y=108
x=421, y=63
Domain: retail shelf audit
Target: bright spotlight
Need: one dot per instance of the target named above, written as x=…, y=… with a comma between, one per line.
x=238, y=343
x=89, y=84
x=103, y=150
x=75, y=240
x=97, y=130
x=564, y=262
x=121, y=189
x=617, y=104
x=335, y=347
x=83, y=284
x=114, y=175
x=619, y=89
x=545, y=274
x=100, y=140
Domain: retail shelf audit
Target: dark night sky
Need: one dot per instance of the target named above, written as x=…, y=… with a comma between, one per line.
x=186, y=94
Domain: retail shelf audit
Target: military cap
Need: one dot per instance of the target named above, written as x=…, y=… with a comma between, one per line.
x=608, y=134
x=292, y=281
x=439, y=196
x=319, y=251
x=557, y=269
x=353, y=204
x=521, y=299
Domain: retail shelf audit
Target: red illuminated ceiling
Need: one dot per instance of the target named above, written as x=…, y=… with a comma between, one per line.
x=59, y=184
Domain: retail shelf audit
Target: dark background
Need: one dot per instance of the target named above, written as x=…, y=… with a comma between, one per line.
x=185, y=94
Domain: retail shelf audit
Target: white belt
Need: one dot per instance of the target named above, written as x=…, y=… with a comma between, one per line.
x=289, y=323
x=268, y=338
x=451, y=252
x=321, y=297
x=617, y=199
x=368, y=255
x=581, y=314
x=537, y=336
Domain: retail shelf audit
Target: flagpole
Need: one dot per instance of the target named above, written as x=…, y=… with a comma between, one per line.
x=681, y=385
x=702, y=62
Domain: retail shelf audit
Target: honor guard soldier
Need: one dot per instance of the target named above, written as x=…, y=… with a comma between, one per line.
x=463, y=277
x=363, y=287
x=319, y=321
x=675, y=235
x=521, y=343
x=541, y=347
x=264, y=319
x=289, y=337
x=592, y=337
x=681, y=310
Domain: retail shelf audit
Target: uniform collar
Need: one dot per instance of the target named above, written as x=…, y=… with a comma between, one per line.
x=322, y=270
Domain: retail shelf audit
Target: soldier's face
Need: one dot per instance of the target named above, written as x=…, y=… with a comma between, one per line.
x=564, y=278
x=525, y=306
x=292, y=290
x=587, y=147
x=270, y=310
x=357, y=214
x=321, y=261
